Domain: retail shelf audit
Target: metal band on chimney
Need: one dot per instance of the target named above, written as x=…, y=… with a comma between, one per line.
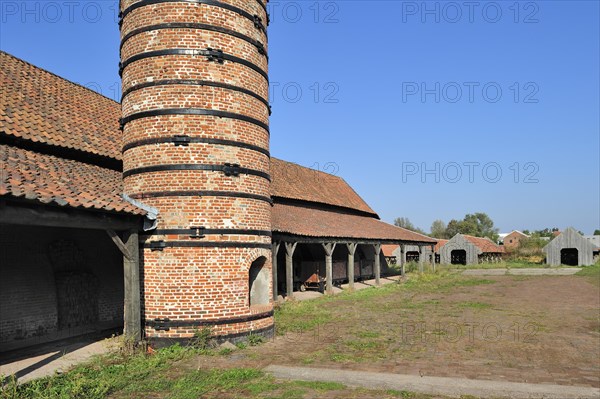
x=186, y=140
x=255, y=19
x=161, y=245
x=228, y=170
x=204, y=193
x=264, y=7
x=189, y=82
x=193, y=53
x=192, y=231
x=192, y=111
x=203, y=323
x=182, y=25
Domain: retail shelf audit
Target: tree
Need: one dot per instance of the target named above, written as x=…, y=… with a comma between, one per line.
x=478, y=224
x=405, y=223
x=438, y=229
x=597, y=232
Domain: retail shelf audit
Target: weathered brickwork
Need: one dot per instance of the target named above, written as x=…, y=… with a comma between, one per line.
x=38, y=300
x=194, y=282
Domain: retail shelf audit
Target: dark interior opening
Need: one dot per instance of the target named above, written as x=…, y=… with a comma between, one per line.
x=458, y=257
x=569, y=256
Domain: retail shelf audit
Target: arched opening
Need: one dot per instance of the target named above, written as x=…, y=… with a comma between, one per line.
x=569, y=256
x=258, y=286
x=458, y=257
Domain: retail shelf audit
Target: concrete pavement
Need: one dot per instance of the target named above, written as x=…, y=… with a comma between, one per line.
x=453, y=387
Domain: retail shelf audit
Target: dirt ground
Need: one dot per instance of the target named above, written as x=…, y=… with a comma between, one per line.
x=542, y=329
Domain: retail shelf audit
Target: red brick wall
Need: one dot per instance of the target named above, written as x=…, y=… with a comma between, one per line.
x=198, y=284
x=29, y=279
x=513, y=240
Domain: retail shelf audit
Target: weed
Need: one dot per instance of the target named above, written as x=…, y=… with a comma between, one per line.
x=202, y=338
x=255, y=339
x=225, y=351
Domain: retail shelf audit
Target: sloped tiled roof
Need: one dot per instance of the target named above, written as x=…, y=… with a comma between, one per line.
x=388, y=249
x=296, y=182
x=312, y=222
x=49, y=179
x=440, y=243
x=39, y=106
x=485, y=244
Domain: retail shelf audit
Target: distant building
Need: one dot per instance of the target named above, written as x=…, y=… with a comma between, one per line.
x=569, y=248
x=595, y=240
x=513, y=239
x=413, y=254
x=388, y=253
x=463, y=249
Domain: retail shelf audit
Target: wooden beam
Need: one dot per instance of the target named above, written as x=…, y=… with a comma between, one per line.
x=402, y=259
x=49, y=216
x=340, y=240
x=289, y=268
x=131, y=271
x=120, y=244
x=377, y=248
x=329, y=248
x=274, y=252
x=351, y=251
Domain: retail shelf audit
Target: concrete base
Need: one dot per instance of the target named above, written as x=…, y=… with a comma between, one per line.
x=266, y=333
x=565, y=271
x=57, y=357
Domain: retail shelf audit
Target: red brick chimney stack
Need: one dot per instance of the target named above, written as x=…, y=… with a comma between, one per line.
x=196, y=147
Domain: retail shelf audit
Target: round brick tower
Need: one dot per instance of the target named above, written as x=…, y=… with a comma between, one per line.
x=196, y=147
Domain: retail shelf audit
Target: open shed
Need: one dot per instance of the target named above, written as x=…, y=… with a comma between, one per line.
x=464, y=249
x=569, y=248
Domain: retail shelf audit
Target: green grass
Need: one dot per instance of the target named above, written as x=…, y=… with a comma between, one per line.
x=474, y=305
x=592, y=273
x=102, y=376
x=159, y=376
x=141, y=377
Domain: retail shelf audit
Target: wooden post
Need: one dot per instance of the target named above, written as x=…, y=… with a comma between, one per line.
x=289, y=268
x=421, y=258
x=377, y=264
x=351, y=251
x=274, y=253
x=329, y=248
x=402, y=259
x=131, y=272
x=433, y=258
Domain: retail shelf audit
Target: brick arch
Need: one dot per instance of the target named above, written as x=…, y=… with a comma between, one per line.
x=253, y=255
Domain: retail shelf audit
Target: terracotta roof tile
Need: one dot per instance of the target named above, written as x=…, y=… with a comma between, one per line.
x=49, y=179
x=388, y=249
x=485, y=244
x=440, y=243
x=310, y=222
x=40, y=106
x=296, y=182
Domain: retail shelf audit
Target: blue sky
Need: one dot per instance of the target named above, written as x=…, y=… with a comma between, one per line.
x=380, y=91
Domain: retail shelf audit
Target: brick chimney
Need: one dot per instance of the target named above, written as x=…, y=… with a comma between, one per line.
x=196, y=147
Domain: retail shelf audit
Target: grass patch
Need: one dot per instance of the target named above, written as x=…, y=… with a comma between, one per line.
x=103, y=376
x=474, y=305
x=368, y=334
x=301, y=316
x=592, y=273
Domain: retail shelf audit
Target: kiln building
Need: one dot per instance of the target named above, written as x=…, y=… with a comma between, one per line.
x=158, y=216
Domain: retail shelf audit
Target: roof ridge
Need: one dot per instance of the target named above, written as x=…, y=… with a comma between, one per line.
x=58, y=76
